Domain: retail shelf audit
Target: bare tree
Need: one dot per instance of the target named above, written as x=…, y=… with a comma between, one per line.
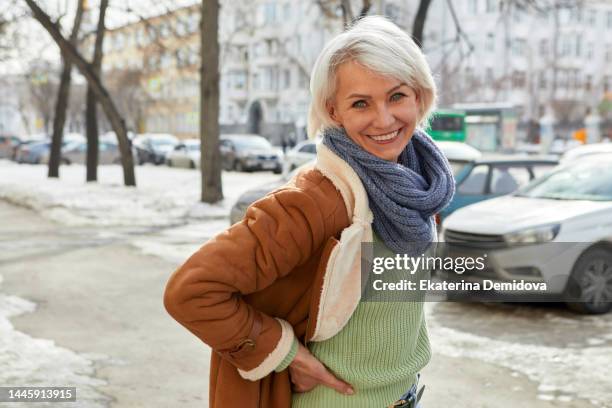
x=42, y=88
x=91, y=116
x=63, y=97
x=210, y=158
x=87, y=70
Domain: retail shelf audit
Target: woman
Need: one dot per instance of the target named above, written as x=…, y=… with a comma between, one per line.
x=276, y=296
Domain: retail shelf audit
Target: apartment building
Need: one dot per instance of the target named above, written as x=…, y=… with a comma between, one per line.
x=559, y=57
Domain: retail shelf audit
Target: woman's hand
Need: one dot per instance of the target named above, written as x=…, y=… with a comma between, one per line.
x=307, y=372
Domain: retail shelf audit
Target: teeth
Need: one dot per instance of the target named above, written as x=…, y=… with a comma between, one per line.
x=388, y=136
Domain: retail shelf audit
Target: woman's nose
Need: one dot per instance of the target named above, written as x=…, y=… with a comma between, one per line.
x=384, y=118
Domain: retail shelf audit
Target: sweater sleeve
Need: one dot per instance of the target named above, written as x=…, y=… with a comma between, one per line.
x=278, y=233
x=289, y=357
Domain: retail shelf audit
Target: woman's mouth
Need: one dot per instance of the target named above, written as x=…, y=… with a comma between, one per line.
x=387, y=137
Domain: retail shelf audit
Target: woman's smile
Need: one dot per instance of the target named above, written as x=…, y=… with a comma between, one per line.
x=386, y=138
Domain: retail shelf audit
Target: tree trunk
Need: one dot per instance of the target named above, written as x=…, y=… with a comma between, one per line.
x=419, y=22
x=210, y=158
x=91, y=115
x=63, y=96
x=72, y=54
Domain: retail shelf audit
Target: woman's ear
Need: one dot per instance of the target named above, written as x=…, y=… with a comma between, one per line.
x=331, y=110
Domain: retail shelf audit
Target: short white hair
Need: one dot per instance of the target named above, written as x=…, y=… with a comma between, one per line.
x=380, y=46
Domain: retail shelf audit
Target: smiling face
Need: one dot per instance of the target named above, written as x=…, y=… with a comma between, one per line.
x=379, y=113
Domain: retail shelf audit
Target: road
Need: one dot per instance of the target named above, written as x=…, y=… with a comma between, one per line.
x=83, y=306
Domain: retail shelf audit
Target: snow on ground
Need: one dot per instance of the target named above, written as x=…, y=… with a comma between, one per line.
x=164, y=196
x=27, y=361
x=176, y=244
x=562, y=372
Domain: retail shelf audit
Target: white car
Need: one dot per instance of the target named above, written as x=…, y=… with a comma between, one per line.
x=557, y=229
x=185, y=154
x=302, y=153
x=583, y=151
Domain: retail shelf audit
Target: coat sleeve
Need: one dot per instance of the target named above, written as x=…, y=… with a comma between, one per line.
x=278, y=233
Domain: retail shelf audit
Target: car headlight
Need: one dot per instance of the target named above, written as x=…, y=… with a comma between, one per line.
x=533, y=235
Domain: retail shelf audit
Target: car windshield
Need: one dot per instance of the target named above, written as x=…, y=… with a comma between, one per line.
x=162, y=142
x=252, y=143
x=590, y=180
x=193, y=147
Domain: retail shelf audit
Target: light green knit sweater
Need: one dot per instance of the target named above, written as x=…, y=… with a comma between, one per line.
x=379, y=352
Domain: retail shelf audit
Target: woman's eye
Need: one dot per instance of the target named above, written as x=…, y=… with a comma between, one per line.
x=359, y=104
x=397, y=96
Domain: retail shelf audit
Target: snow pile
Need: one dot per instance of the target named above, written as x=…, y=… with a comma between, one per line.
x=27, y=361
x=164, y=196
x=561, y=371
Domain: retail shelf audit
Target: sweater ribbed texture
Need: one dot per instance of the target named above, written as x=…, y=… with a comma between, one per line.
x=379, y=352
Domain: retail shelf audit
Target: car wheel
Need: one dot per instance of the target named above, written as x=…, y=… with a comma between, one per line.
x=589, y=288
x=170, y=163
x=191, y=164
x=66, y=161
x=278, y=170
x=238, y=166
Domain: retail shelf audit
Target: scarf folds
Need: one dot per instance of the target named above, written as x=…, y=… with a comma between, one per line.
x=403, y=196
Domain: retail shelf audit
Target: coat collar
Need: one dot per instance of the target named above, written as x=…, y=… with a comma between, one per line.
x=341, y=288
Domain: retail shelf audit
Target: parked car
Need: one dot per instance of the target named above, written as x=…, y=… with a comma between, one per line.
x=303, y=152
x=570, y=205
x=8, y=146
x=76, y=152
x=185, y=154
x=583, y=151
x=153, y=147
x=484, y=179
x=248, y=152
x=250, y=196
x=33, y=153
x=458, y=154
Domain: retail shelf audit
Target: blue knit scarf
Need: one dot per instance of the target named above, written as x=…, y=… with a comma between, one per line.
x=403, y=196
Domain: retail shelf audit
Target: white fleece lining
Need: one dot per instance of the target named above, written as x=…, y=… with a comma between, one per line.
x=276, y=356
x=341, y=288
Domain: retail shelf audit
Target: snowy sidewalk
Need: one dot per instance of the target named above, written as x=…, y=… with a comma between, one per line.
x=164, y=196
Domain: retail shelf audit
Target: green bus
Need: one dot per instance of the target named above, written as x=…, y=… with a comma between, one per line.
x=447, y=125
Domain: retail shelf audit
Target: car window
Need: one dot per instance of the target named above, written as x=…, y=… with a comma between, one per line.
x=457, y=166
x=309, y=148
x=541, y=169
x=506, y=179
x=252, y=142
x=475, y=182
x=584, y=180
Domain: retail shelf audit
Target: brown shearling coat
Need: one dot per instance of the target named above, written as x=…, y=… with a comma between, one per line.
x=289, y=268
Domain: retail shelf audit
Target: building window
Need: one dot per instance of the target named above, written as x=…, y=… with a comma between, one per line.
x=610, y=20
x=609, y=53
x=543, y=81
x=287, y=79
x=544, y=47
x=303, y=81
x=491, y=6
x=589, y=50
x=518, y=47
x=588, y=83
x=269, y=10
x=286, y=11
x=490, y=44
x=472, y=6
x=164, y=30
x=592, y=18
